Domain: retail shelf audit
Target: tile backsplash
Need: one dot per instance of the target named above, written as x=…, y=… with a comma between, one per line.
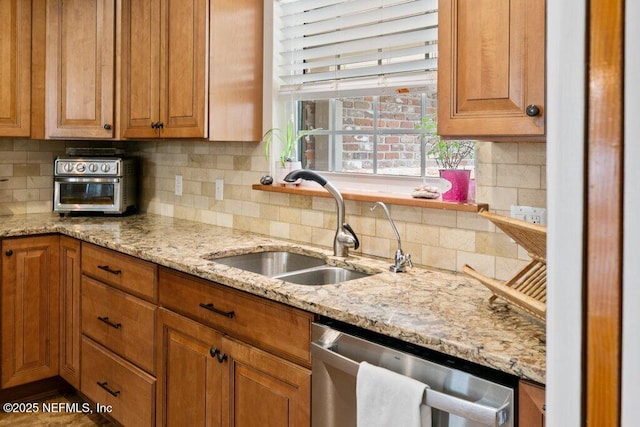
x=507, y=173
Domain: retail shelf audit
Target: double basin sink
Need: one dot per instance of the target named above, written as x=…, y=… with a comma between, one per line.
x=291, y=267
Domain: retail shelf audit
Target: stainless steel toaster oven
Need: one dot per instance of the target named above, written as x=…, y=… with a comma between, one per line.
x=97, y=184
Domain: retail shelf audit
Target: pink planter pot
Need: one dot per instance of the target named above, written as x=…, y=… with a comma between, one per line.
x=459, y=179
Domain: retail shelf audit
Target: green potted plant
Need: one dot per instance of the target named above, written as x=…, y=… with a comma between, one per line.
x=448, y=155
x=288, y=141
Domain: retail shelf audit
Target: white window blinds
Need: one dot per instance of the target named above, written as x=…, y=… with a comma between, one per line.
x=331, y=48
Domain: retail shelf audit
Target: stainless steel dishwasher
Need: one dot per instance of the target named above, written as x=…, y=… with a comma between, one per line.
x=457, y=398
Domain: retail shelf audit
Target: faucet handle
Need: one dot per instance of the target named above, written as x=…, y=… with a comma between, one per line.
x=353, y=233
x=402, y=262
x=408, y=262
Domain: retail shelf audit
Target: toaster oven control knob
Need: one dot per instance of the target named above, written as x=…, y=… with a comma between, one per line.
x=105, y=167
x=80, y=167
x=68, y=167
x=93, y=167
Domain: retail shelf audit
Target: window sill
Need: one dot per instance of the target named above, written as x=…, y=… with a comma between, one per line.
x=375, y=197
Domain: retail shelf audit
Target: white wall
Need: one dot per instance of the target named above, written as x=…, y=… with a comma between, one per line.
x=565, y=147
x=631, y=268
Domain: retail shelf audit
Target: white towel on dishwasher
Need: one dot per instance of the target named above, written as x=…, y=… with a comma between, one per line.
x=388, y=399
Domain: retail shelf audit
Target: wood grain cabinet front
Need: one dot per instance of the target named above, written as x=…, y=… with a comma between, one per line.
x=121, y=322
x=30, y=309
x=124, y=272
x=70, y=310
x=209, y=379
x=275, y=327
x=107, y=379
x=262, y=389
x=80, y=69
x=531, y=406
x=236, y=70
x=164, y=68
x=491, y=69
x=189, y=373
x=15, y=68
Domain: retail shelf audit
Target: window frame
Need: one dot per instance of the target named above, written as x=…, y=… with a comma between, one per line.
x=278, y=110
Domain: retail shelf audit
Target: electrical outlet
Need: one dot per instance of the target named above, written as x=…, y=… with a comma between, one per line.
x=219, y=189
x=178, y=185
x=530, y=214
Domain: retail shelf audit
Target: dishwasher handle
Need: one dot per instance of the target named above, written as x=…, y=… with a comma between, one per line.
x=477, y=412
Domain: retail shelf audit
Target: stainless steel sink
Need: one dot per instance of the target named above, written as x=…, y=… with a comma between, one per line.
x=325, y=275
x=272, y=263
x=290, y=267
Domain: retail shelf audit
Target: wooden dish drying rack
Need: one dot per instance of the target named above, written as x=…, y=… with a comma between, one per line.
x=527, y=289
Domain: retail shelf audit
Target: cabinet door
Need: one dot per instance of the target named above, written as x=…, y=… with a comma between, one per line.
x=236, y=70
x=189, y=373
x=491, y=68
x=80, y=69
x=184, y=68
x=70, y=310
x=15, y=67
x=140, y=69
x=531, y=412
x=262, y=389
x=30, y=279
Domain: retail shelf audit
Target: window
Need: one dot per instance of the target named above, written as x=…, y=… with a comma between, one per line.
x=366, y=135
x=363, y=74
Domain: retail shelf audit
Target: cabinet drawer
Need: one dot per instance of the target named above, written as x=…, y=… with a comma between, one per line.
x=122, y=271
x=273, y=326
x=109, y=380
x=121, y=322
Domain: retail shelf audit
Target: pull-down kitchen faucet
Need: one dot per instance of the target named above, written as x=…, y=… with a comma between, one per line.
x=402, y=261
x=345, y=236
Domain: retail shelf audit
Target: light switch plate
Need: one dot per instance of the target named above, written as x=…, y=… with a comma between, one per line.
x=219, y=189
x=178, y=185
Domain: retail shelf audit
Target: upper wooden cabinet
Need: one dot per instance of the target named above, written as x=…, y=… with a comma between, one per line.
x=236, y=70
x=491, y=69
x=80, y=69
x=15, y=67
x=164, y=68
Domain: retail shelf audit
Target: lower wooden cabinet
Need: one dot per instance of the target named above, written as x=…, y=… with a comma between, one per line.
x=206, y=378
x=189, y=373
x=30, y=309
x=261, y=389
x=531, y=406
x=121, y=322
x=70, y=310
x=108, y=379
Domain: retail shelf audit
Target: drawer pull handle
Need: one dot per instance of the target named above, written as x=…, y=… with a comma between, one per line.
x=210, y=307
x=105, y=386
x=106, y=320
x=107, y=269
x=214, y=352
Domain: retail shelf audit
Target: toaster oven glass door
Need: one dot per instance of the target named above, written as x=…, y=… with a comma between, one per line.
x=87, y=194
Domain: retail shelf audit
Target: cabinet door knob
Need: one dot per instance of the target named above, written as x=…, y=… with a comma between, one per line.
x=214, y=352
x=532, y=110
x=154, y=125
x=107, y=126
x=9, y=252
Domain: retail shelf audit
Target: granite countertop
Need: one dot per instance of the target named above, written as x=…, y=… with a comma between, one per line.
x=442, y=311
